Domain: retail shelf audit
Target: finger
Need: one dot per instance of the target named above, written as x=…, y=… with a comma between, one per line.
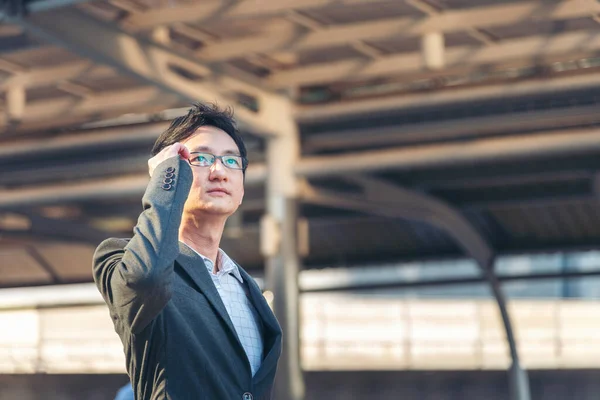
x=166, y=150
x=170, y=151
x=150, y=167
x=184, y=152
x=179, y=149
x=174, y=149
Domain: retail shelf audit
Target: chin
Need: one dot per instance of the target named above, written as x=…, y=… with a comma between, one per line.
x=218, y=209
x=211, y=208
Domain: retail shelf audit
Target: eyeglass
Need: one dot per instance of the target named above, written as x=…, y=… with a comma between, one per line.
x=207, y=160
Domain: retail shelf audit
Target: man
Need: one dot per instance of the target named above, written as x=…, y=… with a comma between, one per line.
x=125, y=393
x=193, y=323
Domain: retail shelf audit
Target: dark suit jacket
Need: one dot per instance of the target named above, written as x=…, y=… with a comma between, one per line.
x=178, y=339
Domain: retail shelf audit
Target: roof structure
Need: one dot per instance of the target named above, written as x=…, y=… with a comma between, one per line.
x=488, y=106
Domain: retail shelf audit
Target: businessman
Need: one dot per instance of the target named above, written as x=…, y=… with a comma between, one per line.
x=194, y=325
x=125, y=393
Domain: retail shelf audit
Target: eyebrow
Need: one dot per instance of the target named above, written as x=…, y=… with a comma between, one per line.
x=209, y=150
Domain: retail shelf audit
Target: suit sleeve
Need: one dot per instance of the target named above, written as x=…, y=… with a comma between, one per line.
x=134, y=276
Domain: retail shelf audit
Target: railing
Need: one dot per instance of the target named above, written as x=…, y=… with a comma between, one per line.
x=366, y=333
x=339, y=332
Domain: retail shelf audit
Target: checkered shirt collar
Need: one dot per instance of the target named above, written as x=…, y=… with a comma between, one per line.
x=226, y=264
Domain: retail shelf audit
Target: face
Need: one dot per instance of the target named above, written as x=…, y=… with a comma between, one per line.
x=216, y=190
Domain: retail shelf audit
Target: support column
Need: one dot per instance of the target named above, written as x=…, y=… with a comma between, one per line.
x=518, y=379
x=280, y=246
x=414, y=206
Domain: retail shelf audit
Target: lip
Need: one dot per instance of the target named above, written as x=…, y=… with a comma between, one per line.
x=217, y=191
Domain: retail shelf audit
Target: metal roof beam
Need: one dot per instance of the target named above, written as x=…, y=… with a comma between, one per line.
x=47, y=76
x=84, y=140
x=323, y=112
x=100, y=189
x=429, y=283
x=59, y=229
x=523, y=51
x=473, y=127
x=405, y=158
x=529, y=146
x=63, y=111
x=152, y=63
x=338, y=35
x=388, y=200
x=218, y=9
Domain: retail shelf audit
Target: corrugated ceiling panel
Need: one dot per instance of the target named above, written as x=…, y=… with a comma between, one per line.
x=70, y=261
x=486, y=225
x=362, y=12
x=376, y=236
x=18, y=267
x=450, y=4
x=529, y=27
x=567, y=222
x=41, y=57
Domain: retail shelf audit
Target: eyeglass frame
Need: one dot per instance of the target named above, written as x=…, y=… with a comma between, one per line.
x=244, y=160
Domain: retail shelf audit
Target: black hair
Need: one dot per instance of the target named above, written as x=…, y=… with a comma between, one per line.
x=200, y=115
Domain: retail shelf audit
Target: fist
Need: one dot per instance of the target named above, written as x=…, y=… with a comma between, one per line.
x=176, y=149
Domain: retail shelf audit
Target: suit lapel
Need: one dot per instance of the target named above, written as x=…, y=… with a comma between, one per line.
x=194, y=267
x=259, y=302
x=272, y=334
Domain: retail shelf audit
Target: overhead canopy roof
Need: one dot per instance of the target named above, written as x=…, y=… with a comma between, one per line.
x=489, y=106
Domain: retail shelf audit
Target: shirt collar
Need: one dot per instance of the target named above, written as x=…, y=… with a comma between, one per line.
x=226, y=264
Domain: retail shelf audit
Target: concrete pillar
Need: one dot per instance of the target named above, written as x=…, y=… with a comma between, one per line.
x=280, y=246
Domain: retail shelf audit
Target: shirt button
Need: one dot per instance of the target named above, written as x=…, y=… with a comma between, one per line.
x=247, y=396
x=170, y=169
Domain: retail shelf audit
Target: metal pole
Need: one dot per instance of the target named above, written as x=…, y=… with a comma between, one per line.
x=429, y=283
x=518, y=379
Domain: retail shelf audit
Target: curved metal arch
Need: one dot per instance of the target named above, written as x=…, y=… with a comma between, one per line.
x=407, y=204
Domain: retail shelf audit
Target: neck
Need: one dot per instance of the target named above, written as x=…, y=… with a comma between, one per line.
x=203, y=234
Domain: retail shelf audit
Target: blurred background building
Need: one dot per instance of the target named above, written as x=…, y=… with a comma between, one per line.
x=422, y=202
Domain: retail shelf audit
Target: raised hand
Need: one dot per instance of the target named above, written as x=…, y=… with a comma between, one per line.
x=168, y=152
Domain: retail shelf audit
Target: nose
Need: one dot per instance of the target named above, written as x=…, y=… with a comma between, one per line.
x=217, y=170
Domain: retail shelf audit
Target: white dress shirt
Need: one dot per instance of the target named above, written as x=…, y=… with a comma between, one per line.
x=243, y=315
